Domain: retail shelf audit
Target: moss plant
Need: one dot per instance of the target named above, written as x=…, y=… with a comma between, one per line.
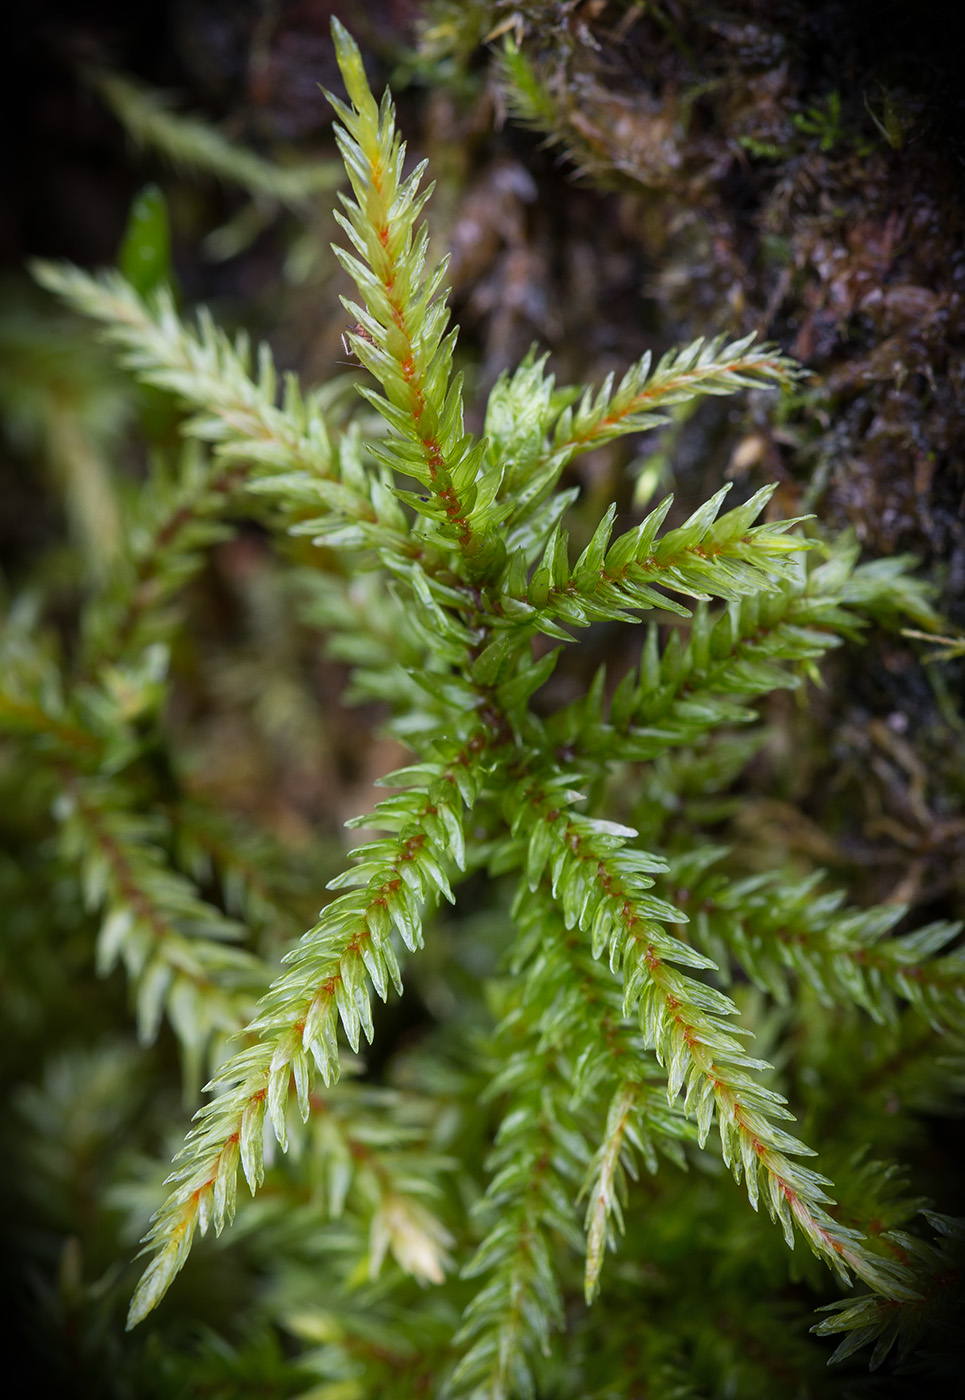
x=456, y=1225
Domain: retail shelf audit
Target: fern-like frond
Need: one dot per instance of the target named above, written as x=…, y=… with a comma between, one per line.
x=526, y=95
x=33, y=702
x=237, y=412
x=615, y=1074
x=179, y=951
x=167, y=533
x=641, y=398
x=58, y=399
x=726, y=557
x=291, y=453
x=562, y=1046
x=776, y=928
x=441, y=558
x=350, y=950
x=401, y=338
x=535, y=429
x=367, y=1155
x=259, y=880
x=537, y=1163
x=602, y=888
x=764, y=641
x=937, y=1268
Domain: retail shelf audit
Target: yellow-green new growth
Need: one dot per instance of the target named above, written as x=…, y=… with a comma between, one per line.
x=401, y=324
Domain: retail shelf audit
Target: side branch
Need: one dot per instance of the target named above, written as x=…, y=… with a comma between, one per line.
x=762, y=642
x=778, y=928
x=349, y=949
x=400, y=336
x=165, y=544
x=705, y=557
x=192, y=144
x=577, y=1006
x=180, y=953
x=205, y=371
x=289, y=451
x=24, y=714
x=705, y=367
x=598, y=883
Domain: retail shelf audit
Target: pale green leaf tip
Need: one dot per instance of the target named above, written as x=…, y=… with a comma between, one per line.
x=135, y=1314
x=146, y=1297
x=349, y=59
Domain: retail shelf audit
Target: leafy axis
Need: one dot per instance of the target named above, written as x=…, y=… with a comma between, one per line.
x=473, y=563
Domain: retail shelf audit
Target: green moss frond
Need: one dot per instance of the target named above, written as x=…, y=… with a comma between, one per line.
x=474, y=1195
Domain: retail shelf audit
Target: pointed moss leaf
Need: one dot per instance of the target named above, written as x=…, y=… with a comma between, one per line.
x=374, y=957
x=348, y=1013
x=251, y=1142
x=489, y=664
x=301, y=1075
x=405, y=918
x=112, y=937
x=156, y=1281
x=455, y=845
x=224, y=1191
x=278, y=1085
x=151, y=993
x=145, y=253
x=646, y=533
